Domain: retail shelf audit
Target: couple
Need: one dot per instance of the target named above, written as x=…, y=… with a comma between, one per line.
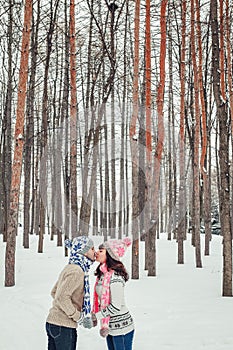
x=71, y=296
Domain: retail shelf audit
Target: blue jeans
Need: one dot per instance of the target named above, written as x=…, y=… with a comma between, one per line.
x=120, y=342
x=61, y=338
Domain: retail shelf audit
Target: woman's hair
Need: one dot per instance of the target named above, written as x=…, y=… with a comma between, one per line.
x=112, y=264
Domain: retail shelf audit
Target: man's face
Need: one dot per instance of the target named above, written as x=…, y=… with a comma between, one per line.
x=91, y=254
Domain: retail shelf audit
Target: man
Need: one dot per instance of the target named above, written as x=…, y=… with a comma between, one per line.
x=71, y=296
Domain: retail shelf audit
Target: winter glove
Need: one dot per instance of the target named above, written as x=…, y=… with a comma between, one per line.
x=104, y=332
x=94, y=319
x=87, y=322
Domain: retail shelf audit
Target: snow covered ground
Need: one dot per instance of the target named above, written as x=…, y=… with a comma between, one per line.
x=180, y=309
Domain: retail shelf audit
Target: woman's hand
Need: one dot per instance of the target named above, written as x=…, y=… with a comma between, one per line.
x=104, y=332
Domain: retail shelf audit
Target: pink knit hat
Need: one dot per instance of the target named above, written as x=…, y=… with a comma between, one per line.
x=116, y=247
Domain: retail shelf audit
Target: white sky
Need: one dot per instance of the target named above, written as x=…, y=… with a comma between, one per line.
x=180, y=309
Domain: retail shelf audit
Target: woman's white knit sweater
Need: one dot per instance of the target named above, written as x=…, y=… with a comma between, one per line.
x=68, y=295
x=121, y=322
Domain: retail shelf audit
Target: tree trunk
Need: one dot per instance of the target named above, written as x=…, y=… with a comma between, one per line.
x=182, y=208
x=113, y=160
x=196, y=173
x=29, y=139
x=106, y=183
x=224, y=198
x=148, y=133
x=134, y=146
x=73, y=124
x=230, y=89
x=121, y=209
x=18, y=150
x=6, y=157
x=160, y=139
x=203, y=161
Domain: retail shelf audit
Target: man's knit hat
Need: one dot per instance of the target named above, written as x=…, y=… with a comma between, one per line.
x=79, y=245
x=116, y=248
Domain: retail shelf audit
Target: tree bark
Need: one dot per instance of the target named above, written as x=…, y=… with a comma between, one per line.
x=113, y=160
x=148, y=132
x=196, y=173
x=230, y=88
x=203, y=161
x=73, y=124
x=134, y=146
x=160, y=139
x=224, y=198
x=6, y=155
x=18, y=149
x=29, y=139
x=182, y=209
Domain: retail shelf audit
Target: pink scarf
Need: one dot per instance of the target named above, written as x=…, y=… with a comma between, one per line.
x=105, y=295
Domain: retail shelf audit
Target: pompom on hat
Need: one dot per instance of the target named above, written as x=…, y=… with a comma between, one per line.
x=116, y=248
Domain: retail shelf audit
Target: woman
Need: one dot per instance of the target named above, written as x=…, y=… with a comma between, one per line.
x=71, y=296
x=109, y=302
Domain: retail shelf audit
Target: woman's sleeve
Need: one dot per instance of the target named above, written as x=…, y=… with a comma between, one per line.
x=117, y=294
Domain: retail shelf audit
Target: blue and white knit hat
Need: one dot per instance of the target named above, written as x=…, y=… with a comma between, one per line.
x=79, y=245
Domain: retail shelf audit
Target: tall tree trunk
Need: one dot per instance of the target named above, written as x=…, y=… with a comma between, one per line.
x=73, y=124
x=122, y=202
x=6, y=157
x=222, y=50
x=171, y=160
x=203, y=161
x=142, y=187
x=174, y=187
x=224, y=197
x=160, y=139
x=148, y=132
x=196, y=182
x=182, y=209
x=106, y=183
x=101, y=229
x=29, y=139
x=18, y=150
x=64, y=116
x=36, y=220
x=134, y=146
x=56, y=156
x=89, y=101
x=44, y=126
x=230, y=89
x=113, y=160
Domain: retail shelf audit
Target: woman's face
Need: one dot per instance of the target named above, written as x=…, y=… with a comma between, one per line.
x=101, y=255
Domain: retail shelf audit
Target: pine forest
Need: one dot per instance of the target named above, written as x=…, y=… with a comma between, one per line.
x=116, y=119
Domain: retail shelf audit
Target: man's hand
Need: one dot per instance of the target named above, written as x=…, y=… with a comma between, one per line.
x=94, y=319
x=87, y=322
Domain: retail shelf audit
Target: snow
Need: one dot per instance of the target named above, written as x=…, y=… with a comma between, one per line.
x=179, y=309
